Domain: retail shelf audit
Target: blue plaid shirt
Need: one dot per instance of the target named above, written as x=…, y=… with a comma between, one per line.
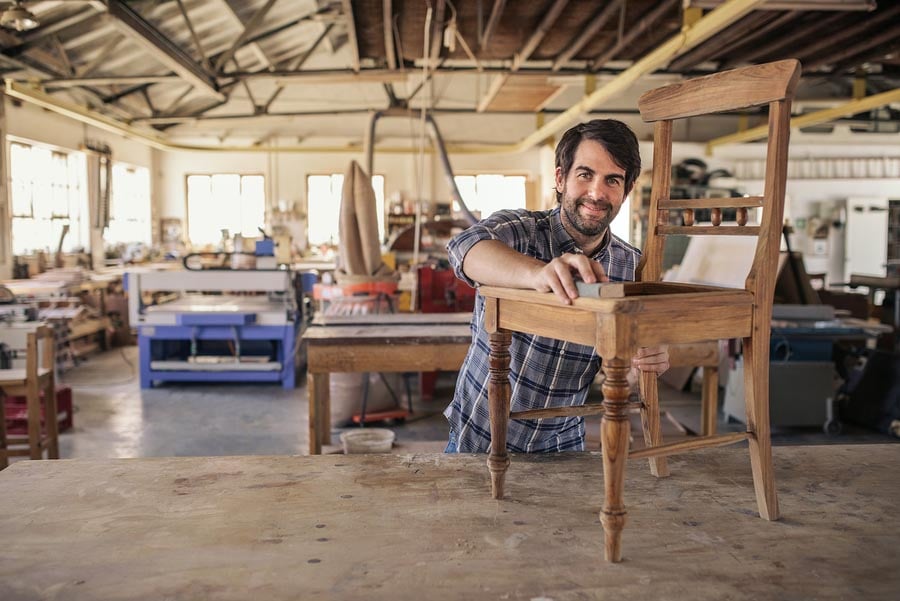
x=544, y=372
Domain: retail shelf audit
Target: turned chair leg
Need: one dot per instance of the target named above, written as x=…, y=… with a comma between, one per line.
x=498, y=402
x=650, y=422
x=756, y=397
x=614, y=429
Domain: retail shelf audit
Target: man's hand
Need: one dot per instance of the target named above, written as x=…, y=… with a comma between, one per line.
x=558, y=276
x=651, y=359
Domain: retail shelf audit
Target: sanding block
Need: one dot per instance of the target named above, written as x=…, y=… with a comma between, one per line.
x=601, y=289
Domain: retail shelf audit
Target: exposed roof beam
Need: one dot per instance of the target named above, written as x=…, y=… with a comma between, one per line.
x=751, y=38
x=437, y=30
x=523, y=55
x=783, y=42
x=729, y=38
x=49, y=27
x=493, y=20
x=634, y=30
x=162, y=48
x=114, y=80
x=587, y=34
x=538, y=35
x=824, y=116
x=687, y=38
x=351, y=33
x=842, y=5
x=845, y=52
x=388, y=22
x=249, y=29
x=105, y=52
x=200, y=50
x=850, y=32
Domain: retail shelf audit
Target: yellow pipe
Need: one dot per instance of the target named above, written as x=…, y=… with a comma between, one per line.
x=686, y=39
x=823, y=116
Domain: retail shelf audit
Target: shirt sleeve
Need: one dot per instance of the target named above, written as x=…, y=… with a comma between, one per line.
x=513, y=228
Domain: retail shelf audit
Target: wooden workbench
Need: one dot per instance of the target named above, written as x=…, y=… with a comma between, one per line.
x=377, y=343
x=417, y=527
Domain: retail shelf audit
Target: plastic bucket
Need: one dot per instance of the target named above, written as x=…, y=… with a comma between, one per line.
x=367, y=440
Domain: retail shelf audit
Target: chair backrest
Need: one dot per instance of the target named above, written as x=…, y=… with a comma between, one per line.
x=40, y=352
x=772, y=84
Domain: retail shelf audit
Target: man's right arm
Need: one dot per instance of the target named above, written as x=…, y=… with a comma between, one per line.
x=493, y=263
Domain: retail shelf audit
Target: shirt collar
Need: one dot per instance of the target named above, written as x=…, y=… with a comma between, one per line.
x=567, y=244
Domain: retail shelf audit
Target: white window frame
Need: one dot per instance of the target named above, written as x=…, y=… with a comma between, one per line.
x=484, y=203
x=323, y=213
x=134, y=223
x=40, y=226
x=242, y=216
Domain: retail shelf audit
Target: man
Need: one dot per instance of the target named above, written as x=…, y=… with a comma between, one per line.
x=597, y=164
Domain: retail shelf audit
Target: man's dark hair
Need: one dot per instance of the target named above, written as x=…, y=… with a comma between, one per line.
x=616, y=137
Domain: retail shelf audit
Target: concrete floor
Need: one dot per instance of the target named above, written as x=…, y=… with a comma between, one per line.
x=114, y=418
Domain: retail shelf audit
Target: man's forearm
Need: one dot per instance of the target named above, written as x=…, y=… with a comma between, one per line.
x=493, y=263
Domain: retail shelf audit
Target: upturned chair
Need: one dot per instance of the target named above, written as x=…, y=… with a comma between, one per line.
x=653, y=312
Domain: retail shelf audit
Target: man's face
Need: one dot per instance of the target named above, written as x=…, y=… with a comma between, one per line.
x=591, y=193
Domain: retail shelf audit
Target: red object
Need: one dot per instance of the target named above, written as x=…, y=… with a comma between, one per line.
x=380, y=416
x=440, y=291
x=17, y=411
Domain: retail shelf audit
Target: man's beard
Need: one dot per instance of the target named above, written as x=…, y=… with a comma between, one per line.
x=583, y=227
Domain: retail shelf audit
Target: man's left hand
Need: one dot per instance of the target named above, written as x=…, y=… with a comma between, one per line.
x=651, y=359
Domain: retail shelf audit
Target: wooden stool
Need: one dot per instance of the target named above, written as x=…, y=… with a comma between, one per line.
x=36, y=377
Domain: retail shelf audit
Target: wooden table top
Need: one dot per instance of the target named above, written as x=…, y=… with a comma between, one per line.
x=389, y=334
x=399, y=527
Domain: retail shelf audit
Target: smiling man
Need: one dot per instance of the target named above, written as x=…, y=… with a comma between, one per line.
x=597, y=163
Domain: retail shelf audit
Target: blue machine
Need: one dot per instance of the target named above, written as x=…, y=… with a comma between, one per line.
x=214, y=326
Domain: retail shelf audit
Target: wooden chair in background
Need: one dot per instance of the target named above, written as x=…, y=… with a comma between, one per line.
x=653, y=312
x=30, y=382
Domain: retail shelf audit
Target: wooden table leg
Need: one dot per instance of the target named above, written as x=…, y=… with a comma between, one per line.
x=614, y=429
x=50, y=418
x=498, y=401
x=317, y=385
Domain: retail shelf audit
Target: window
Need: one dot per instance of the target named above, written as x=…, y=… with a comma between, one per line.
x=323, y=193
x=225, y=201
x=47, y=193
x=129, y=218
x=488, y=193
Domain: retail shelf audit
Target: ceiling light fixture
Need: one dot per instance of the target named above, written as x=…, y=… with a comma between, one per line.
x=19, y=18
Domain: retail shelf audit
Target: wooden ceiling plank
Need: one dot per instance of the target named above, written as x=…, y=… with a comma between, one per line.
x=249, y=29
x=108, y=48
x=351, y=32
x=780, y=43
x=635, y=30
x=200, y=50
x=844, y=52
x=493, y=20
x=868, y=22
x=390, y=51
x=719, y=45
x=161, y=47
x=587, y=34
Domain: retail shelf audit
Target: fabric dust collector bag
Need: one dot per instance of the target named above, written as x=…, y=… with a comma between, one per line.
x=359, y=255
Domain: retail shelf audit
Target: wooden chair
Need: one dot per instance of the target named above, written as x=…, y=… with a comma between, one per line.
x=652, y=312
x=36, y=377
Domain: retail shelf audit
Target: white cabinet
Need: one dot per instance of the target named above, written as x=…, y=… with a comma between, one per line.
x=867, y=234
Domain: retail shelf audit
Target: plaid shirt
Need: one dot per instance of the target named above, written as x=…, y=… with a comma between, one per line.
x=544, y=372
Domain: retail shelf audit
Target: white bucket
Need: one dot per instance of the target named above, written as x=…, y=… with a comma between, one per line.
x=367, y=440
